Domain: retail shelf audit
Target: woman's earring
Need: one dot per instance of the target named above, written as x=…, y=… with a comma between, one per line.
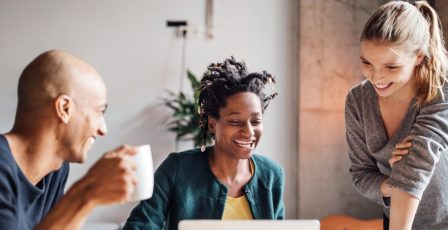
x=202, y=148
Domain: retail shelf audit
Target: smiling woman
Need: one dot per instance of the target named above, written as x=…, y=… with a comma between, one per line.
x=396, y=120
x=226, y=180
x=239, y=127
x=389, y=69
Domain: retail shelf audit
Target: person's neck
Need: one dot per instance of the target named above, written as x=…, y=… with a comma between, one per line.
x=229, y=170
x=403, y=97
x=34, y=153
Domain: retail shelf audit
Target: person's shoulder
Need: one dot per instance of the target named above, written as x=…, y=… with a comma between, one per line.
x=188, y=157
x=4, y=146
x=444, y=95
x=362, y=88
x=9, y=171
x=360, y=95
x=440, y=100
x=6, y=159
x=191, y=154
x=266, y=164
x=186, y=165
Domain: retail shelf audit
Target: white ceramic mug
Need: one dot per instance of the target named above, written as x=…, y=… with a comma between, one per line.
x=144, y=174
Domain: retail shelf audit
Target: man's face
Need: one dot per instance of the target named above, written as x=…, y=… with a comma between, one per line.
x=87, y=121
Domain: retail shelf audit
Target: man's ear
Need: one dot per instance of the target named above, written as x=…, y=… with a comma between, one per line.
x=64, y=107
x=211, y=124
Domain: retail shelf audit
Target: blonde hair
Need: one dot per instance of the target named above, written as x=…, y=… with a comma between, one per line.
x=414, y=28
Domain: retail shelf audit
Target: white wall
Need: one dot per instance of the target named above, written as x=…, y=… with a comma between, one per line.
x=139, y=58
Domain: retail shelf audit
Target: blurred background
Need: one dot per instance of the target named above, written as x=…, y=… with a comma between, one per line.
x=311, y=46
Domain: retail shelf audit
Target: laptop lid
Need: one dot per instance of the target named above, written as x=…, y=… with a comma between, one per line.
x=249, y=224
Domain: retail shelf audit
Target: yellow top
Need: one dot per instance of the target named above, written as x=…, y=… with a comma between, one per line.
x=238, y=208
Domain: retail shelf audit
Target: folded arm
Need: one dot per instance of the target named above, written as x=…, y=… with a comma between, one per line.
x=411, y=175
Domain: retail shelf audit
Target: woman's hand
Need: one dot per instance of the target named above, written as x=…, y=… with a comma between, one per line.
x=401, y=149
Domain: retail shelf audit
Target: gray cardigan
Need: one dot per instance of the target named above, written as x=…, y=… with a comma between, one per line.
x=423, y=173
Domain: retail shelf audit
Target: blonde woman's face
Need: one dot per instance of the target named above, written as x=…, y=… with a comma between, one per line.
x=388, y=68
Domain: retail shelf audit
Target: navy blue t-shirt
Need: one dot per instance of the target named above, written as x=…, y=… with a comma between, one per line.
x=23, y=205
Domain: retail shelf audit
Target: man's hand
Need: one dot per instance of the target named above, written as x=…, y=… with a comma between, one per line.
x=112, y=178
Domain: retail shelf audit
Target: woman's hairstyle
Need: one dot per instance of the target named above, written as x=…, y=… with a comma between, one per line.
x=414, y=28
x=225, y=79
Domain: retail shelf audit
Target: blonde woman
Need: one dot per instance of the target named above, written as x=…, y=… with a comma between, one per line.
x=399, y=115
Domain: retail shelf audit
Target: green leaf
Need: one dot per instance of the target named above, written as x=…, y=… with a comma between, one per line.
x=184, y=120
x=193, y=80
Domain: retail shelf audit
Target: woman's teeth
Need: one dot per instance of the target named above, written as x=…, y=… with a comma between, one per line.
x=241, y=142
x=382, y=86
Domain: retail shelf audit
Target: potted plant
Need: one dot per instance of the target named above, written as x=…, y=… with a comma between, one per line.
x=184, y=121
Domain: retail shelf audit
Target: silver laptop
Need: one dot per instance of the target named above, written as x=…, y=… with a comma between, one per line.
x=249, y=224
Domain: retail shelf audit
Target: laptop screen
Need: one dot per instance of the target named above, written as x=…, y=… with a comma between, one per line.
x=249, y=224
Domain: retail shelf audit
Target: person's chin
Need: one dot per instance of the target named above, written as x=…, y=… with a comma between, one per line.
x=387, y=91
x=82, y=155
x=82, y=159
x=244, y=152
x=79, y=158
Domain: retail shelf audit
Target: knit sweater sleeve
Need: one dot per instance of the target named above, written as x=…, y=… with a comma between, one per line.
x=153, y=213
x=280, y=188
x=430, y=138
x=366, y=176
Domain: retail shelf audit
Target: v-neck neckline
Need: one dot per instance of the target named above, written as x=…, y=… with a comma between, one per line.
x=405, y=124
x=209, y=150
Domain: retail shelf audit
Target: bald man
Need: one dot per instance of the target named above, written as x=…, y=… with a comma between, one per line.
x=61, y=102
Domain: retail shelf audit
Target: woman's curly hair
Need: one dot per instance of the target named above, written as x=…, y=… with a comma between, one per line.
x=225, y=79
